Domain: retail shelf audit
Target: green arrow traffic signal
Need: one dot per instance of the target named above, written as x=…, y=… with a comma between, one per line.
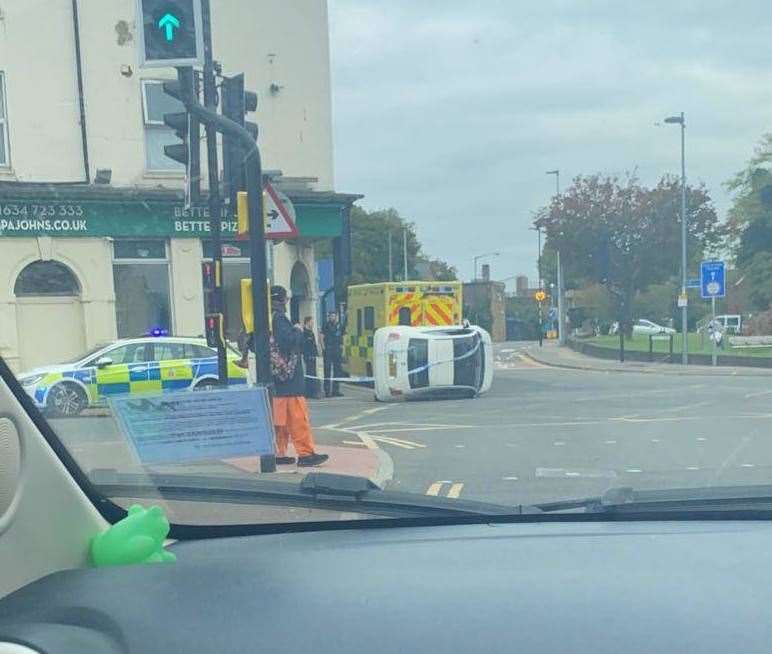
x=168, y=23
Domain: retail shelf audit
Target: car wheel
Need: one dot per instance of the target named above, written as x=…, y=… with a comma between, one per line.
x=206, y=385
x=66, y=400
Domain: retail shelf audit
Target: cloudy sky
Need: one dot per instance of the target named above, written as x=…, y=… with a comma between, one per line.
x=451, y=111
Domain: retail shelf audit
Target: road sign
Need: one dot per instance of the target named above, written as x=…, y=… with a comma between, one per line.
x=279, y=213
x=170, y=33
x=683, y=300
x=540, y=296
x=552, y=314
x=693, y=283
x=712, y=279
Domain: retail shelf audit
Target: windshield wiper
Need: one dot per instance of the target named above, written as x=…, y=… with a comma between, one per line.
x=626, y=500
x=318, y=490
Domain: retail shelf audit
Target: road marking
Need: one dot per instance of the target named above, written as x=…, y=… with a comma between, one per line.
x=460, y=446
x=748, y=465
x=633, y=470
x=692, y=467
x=576, y=472
x=509, y=478
x=559, y=443
x=434, y=489
x=610, y=442
x=701, y=439
x=733, y=455
x=655, y=440
x=398, y=442
x=455, y=491
x=369, y=412
x=353, y=443
x=759, y=394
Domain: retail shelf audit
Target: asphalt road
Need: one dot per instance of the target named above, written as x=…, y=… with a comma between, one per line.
x=542, y=433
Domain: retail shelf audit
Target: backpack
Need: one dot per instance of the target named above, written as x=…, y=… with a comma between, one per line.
x=282, y=367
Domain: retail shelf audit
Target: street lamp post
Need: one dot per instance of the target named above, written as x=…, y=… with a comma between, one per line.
x=681, y=120
x=482, y=256
x=561, y=317
x=537, y=229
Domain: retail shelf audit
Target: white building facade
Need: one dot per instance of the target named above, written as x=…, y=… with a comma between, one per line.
x=95, y=241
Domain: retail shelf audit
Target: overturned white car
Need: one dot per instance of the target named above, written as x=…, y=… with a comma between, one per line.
x=412, y=362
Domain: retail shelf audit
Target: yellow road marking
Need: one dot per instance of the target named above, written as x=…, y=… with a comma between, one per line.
x=455, y=490
x=434, y=489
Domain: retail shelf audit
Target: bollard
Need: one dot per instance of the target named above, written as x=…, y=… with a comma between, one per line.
x=671, y=348
x=651, y=348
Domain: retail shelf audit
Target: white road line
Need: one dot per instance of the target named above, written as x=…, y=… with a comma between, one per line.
x=655, y=440
x=748, y=465
x=733, y=455
x=455, y=491
x=701, y=439
x=609, y=442
x=633, y=470
x=460, y=447
x=509, y=478
x=759, y=394
x=559, y=443
x=692, y=467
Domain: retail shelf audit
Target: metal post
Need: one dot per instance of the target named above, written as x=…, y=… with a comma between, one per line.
x=684, y=309
x=404, y=254
x=714, y=358
x=391, y=267
x=541, y=327
x=651, y=348
x=215, y=203
x=538, y=258
x=561, y=317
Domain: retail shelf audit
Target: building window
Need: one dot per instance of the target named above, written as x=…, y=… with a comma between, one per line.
x=5, y=159
x=155, y=103
x=142, y=298
x=46, y=278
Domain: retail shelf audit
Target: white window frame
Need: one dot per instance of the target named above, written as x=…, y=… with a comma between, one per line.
x=148, y=123
x=4, y=131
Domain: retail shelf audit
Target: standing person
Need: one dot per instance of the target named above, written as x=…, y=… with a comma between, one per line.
x=310, y=353
x=332, y=342
x=290, y=411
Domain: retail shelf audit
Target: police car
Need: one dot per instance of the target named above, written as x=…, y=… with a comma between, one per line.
x=136, y=365
x=413, y=362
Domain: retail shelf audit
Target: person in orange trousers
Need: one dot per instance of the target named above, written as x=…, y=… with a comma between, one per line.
x=290, y=411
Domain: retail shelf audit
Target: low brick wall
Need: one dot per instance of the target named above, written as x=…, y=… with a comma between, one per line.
x=612, y=354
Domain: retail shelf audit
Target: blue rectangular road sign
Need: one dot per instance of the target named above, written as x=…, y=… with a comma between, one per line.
x=693, y=283
x=712, y=279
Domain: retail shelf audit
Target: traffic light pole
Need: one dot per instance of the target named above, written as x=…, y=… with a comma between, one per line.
x=254, y=173
x=215, y=203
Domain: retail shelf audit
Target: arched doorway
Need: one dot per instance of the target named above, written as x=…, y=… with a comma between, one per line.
x=49, y=314
x=300, y=291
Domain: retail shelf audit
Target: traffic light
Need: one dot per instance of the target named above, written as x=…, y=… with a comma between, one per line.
x=242, y=214
x=214, y=330
x=184, y=125
x=171, y=32
x=236, y=103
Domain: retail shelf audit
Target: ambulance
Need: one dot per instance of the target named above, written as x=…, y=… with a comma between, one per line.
x=410, y=304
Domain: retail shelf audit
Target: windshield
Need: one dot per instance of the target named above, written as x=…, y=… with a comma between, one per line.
x=466, y=251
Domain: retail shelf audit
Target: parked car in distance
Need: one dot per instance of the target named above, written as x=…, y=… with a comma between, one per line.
x=643, y=327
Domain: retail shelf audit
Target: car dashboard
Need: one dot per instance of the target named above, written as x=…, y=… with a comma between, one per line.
x=525, y=587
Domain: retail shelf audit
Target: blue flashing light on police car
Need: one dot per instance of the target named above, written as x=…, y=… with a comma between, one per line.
x=156, y=363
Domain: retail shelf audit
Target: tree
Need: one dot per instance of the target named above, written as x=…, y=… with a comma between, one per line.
x=370, y=249
x=626, y=236
x=749, y=224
